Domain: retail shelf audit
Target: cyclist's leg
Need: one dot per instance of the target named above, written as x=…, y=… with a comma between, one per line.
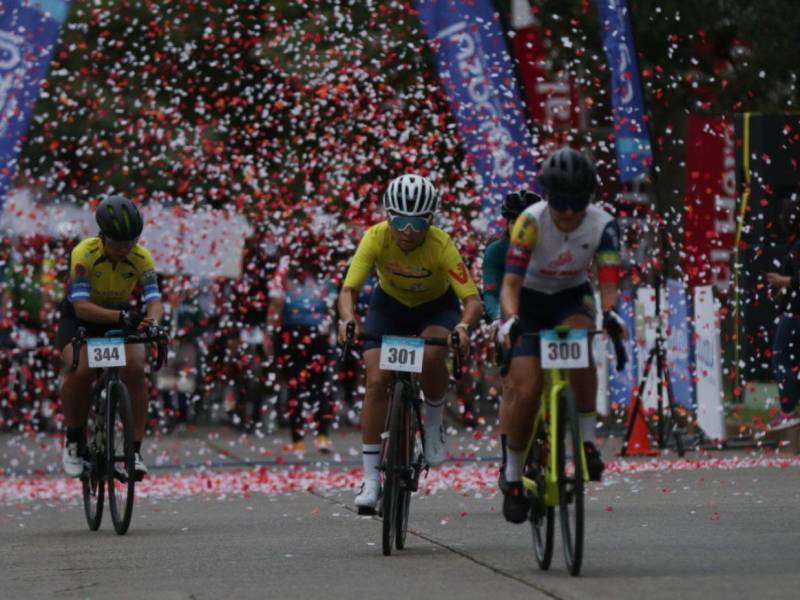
x=435, y=379
x=133, y=376
x=584, y=385
x=75, y=389
x=373, y=417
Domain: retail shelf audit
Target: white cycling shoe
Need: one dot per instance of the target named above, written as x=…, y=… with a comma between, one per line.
x=435, y=445
x=71, y=460
x=139, y=468
x=369, y=494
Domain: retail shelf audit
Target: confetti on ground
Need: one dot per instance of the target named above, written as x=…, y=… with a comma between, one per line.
x=243, y=483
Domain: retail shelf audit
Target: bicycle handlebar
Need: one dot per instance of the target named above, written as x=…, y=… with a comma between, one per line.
x=452, y=341
x=514, y=335
x=153, y=334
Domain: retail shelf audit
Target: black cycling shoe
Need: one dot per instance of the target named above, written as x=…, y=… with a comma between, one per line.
x=516, y=504
x=594, y=463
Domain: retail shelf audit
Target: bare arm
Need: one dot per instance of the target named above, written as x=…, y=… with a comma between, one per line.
x=609, y=293
x=90, y=312
x=347, y=311
x=509, y=295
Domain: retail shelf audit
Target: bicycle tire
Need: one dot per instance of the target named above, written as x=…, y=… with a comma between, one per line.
x=542, y=527
x=93, y=479
x=409, y=448
x=570, y=482
x=119, y=456
x=392, y=456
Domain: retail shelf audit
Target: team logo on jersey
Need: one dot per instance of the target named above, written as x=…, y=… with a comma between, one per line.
x=525, y=232
x=80, y=270
x=562, y=260
x=408, y=272
x=460, y=273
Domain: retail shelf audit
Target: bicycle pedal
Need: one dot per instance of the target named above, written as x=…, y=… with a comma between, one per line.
x=366, y=511
x=120, y=476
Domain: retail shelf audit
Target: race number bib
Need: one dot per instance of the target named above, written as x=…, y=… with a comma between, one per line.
x=106, y=352
x=402, y=354
x=564, y=352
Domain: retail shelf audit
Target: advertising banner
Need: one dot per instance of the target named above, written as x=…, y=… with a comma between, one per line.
x=710, y=205
x=634, y=154
x=678, y=334
x=28, y=31
x=621, y=383
x=710, y=411
x=478, y=77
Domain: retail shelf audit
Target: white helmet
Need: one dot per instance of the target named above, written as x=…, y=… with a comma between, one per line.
x=410, y=196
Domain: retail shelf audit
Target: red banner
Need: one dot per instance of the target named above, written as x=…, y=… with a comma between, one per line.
x=710, y=204
x=552, y=99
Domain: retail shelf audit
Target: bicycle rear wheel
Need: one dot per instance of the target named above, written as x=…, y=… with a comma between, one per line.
x=392, y=465
x=409, y=455
x=119, y=456
x=93, y=478
x=570, y=482
x=542, y=517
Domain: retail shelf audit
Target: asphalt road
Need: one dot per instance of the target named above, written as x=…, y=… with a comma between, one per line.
x=713, y=527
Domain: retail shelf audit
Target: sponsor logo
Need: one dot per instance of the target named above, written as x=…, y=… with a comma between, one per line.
x=562, y=260
x=460, y=273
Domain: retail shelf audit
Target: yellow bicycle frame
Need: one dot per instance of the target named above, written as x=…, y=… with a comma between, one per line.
x=555, y=382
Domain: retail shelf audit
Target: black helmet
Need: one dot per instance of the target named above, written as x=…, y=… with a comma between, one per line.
x=569, y=179
x=119, y=219
x=516, y=202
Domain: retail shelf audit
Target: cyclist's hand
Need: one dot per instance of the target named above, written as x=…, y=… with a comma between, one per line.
x=130, y=320
x=463, y=342
x=614, y=325
x=343, y=330
x=504, y=332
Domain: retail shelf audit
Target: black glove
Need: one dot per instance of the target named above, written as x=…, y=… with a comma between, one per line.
x=613, y=324
x=129, y=320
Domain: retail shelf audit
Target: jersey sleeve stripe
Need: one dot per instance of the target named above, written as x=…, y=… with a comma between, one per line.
x=150, y=293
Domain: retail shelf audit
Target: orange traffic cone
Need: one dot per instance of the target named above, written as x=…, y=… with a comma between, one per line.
x=638, y=442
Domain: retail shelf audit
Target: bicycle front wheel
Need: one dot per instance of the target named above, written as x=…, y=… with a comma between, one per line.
x=542, y=517
x=409, y=456
x=570, y=482
x=392, y=468
x=92, y=479
x=119, y=455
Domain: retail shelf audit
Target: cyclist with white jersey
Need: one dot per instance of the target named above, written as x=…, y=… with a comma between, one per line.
x=546, y=284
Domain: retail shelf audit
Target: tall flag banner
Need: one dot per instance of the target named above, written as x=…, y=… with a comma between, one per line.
x=478, y=77
x=710, y=203
x=552, y=99
x=634, y=154
x=28, y=32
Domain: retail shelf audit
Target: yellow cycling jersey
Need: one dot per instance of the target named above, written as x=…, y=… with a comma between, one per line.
x=95, y=278
x=415, y=277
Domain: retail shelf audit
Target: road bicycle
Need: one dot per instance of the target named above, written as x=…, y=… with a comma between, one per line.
x=402, y=457
x=108, y=447
x=555, y=470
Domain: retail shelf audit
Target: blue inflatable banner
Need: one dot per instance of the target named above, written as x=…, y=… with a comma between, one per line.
x=478, y=77
x=634, y=154
x=621, y=383
x=679, y=333
x=28, y=31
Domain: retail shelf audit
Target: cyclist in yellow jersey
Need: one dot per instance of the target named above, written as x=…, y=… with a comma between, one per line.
x=104, y=271
x=421, y=278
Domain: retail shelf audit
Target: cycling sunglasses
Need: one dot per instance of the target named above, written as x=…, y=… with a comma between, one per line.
x=564, y=203
x=120, y=245
x=417, y=224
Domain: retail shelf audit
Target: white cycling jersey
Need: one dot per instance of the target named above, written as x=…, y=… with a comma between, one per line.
x=552, y=260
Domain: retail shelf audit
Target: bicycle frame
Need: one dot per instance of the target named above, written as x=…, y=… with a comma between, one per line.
x=556, y=381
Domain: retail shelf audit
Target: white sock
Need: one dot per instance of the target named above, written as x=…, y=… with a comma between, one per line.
x=588, y=426
x=434, y=413
x=516, y=460
x=370, y=456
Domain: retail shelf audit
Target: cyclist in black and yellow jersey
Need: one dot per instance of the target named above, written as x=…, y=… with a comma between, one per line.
x=421, y=278
x=104, y=271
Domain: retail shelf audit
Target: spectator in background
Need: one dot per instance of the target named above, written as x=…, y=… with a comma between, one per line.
x=298, y=333
x=786, y=345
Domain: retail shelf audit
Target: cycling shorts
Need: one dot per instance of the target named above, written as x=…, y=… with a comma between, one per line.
x=387, y=316
x=68, y=324
x=539, y=311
